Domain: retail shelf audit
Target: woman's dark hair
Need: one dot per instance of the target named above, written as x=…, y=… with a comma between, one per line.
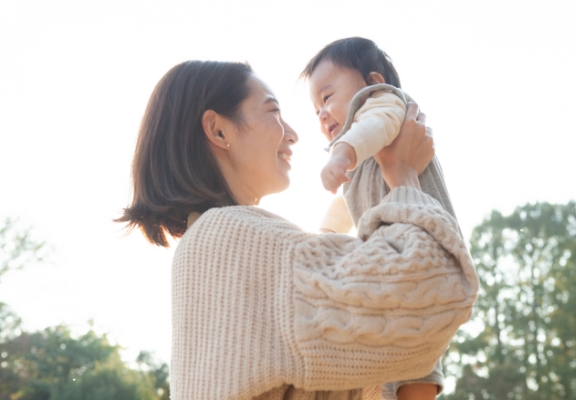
x=359, y=54
x=174, y=170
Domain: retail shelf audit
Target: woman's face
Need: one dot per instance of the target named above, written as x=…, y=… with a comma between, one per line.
x=260, y=152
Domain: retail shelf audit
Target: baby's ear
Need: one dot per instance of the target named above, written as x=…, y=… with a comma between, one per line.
x=375, y=78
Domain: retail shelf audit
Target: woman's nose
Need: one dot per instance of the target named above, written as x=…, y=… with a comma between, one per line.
x=290, y=134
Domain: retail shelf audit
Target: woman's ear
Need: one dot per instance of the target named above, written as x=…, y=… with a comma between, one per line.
x=375, y=78
x=213, y=124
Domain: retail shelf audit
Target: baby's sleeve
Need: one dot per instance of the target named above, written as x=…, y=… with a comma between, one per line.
x=337, y=219
x=376, y=124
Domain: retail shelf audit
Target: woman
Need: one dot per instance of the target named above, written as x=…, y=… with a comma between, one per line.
x=260, y=308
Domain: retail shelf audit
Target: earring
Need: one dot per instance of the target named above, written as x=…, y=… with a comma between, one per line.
x=228, y=145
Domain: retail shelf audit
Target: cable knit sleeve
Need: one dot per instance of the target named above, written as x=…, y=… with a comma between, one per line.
x=383, y=309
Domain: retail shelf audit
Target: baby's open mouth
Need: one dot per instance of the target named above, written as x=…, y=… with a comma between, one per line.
x=331, y=129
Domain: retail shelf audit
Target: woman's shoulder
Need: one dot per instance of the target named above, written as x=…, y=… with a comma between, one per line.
x=240, y=222
x=248, y=215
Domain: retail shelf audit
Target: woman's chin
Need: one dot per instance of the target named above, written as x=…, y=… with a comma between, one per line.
x=281, y=184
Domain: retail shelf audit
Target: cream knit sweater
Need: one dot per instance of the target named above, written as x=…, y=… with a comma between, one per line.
x=263, y=309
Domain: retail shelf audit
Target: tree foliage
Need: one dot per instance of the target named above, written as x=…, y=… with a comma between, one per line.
x=526, y=308
x=53, y=365
x=17, y=247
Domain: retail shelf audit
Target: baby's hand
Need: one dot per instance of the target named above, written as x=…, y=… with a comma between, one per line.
x=334, y=173
x=342, y=159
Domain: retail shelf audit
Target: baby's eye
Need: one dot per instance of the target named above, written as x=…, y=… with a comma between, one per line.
x=325, y=99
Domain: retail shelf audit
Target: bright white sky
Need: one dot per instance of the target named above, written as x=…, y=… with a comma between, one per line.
x=496, y=80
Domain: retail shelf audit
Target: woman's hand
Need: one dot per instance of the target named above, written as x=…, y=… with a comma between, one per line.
x=410, y=153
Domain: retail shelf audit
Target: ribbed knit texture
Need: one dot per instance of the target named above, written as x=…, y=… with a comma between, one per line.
x=261, y=308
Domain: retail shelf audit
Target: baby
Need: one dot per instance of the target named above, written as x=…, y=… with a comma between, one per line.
x=356, y=93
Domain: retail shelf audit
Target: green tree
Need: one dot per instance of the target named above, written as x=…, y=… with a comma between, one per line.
x=18, y=248
x=10, y=380
x=53, y=365
x=526, y=308
x=158, y=372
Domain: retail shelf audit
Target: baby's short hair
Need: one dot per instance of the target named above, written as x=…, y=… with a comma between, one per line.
x=359, y=54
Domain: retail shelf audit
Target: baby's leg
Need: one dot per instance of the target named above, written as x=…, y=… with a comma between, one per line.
x=435, y=379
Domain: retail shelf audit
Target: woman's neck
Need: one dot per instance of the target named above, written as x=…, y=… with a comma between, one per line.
x=241, y=186
x=244, y=198
x=243, y=193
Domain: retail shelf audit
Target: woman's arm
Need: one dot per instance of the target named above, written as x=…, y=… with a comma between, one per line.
x=409, y=154
x=429, y=386
x=384, y=309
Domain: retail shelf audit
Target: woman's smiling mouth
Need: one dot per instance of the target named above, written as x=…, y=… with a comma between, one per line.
x=286, y=157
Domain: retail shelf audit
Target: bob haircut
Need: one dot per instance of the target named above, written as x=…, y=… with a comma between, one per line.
x=358, y=54
x=174, y=171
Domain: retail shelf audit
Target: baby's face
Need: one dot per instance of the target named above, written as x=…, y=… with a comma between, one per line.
x=331, y=90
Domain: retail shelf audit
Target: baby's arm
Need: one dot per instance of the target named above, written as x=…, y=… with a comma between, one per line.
x=342, y=159
x=376, y=125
